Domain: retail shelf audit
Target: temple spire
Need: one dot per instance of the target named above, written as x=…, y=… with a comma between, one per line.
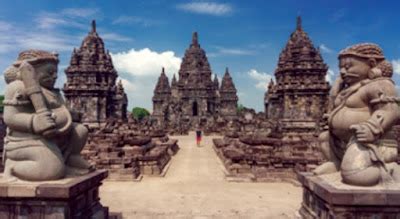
x=298, y=27
x=195, y=39
x=93, y=26
x=226, y=70
x=163, y=70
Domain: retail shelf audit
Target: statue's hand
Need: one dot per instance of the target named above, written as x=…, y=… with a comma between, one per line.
x=27, y=67
x=43, y=123
x=363, y=133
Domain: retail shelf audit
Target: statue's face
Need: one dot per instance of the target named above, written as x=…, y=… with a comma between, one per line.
x=47, y=74
x=353, y=69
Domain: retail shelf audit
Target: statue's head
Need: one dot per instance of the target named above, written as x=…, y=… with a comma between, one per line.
x=363, y=61
x=45, y=65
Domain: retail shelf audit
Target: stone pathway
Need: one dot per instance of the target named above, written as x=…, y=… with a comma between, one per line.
x=194, y=187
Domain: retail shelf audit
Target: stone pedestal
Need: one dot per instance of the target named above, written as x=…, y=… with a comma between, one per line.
x=327, y=197
x=76, y=197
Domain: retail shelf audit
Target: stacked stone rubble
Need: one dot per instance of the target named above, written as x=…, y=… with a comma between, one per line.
x=127, y=150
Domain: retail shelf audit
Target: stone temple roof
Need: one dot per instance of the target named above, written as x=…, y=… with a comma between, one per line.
x=299, y=52
x=91, y=56
x=162, y=84
x=227, y=84
x=195, y=67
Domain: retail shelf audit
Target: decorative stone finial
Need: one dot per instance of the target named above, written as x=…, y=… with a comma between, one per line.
x=195, y=39
x=298, y=27
x=93, y=26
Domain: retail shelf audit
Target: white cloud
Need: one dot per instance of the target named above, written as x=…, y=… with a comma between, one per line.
x=128, y=86
x=69, y=17
x=262, y=79
x=232, y=51
x=135, y=20
x=325, y=49
x=396, y=66
x=338, y=15
x=115, y=37
x=46, y=20
x=145, y=62
x=211, y=8
x=18, y=39
x=4, y=26
x=140, y=69
x=80, y=12
x=329, y=75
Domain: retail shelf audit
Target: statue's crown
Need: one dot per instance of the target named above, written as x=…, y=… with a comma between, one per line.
x=363, y=50
x=34, y=56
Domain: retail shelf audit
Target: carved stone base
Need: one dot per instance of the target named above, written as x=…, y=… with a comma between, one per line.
x=67, y=198
x=326, y=197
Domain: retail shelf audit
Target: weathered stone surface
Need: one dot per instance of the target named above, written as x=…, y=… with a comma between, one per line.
x=194, y=100
x=127, y=150
x=276, y=144
x=327, y=197
x=3, y=129
x=299, y=96
x=76, y=197
x=359, y=141
x=91, y=87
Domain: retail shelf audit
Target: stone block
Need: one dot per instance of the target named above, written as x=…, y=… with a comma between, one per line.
x=66, y=198
x=326, y=197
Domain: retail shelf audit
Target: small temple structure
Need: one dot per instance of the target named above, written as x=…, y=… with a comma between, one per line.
x=117, y=142
x=299, y=97
x=274, y=145
x=195, y=97
x=91, y=87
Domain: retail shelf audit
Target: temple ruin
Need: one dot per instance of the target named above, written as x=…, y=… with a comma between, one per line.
x=91, y=87
x=275, y=144
x=299, y=97
x=194, y=100
x=116, y=141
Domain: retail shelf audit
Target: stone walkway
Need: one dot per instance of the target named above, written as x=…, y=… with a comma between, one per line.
x=194, y=187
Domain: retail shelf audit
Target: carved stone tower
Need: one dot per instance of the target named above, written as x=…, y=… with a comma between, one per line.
x=195, y=87
x=228, y=97
x=299, y=97
x=162, y=95
x=91, y=82
x=194, y=98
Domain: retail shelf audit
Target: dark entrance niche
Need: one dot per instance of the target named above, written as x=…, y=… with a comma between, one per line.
x=195, y=109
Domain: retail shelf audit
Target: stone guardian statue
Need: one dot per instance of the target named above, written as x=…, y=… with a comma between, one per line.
x=360, y=142
x=43, y=140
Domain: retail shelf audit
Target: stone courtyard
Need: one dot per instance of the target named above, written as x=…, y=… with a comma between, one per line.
x=195, y=187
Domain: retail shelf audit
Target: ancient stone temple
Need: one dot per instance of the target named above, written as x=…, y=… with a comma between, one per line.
x=227, y=96
x=194, y=97
x=299, y=97
x=282, y=141
x=91, y=87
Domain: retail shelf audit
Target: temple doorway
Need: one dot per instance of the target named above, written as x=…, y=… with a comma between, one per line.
x=195, y=109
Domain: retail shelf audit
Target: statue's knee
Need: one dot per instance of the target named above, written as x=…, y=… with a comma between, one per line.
x=367, y=177
x=50, y=166
x=52, y=169
x=324, y=136
x=81, y=131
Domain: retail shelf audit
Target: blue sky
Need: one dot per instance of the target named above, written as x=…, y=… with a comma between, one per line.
x=246, y=36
